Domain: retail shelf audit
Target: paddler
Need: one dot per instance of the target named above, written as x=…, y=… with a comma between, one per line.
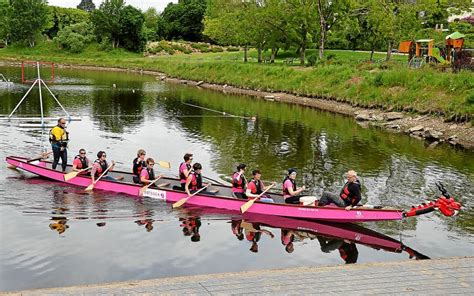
x=292, y=194
x=194, y=180
x=59, y=138
x=81, y=162
x=350, y=194
x=185, y=169
x=239, y=182
x=255, y=187
x=147, y=175
x=100, y=165
x=138, y=164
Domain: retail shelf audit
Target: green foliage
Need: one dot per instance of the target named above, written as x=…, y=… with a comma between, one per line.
x=5, y=11
x=217, y=49
x=151, y=24
x=28, y=18
x=470, y=99
x=312, y=59
x=183, y=20
x=75, y=38
x=131, y=34
x=86, y=5
x=63, y=17
x=232, y=48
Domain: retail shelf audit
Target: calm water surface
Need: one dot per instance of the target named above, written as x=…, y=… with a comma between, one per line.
x=52, y=235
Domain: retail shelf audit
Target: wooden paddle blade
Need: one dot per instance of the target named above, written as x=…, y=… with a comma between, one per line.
x=142, y=190
x=90, y=187
x=11, y=166
x=70, y=175
x=180, y=202
x=165, y=164
x=247, y=205
x=247, y=226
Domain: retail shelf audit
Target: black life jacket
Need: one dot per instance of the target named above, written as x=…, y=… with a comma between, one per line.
x=182, y=177
x=238, y=184
x=196, y=181
x=151, y=174
x=258, y=185
x=285, y=190
x=346, y=194
x=138, y=166
x=102, y=168
x=83, y=161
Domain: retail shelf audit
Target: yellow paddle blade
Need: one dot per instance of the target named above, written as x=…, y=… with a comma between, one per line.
x=247, y=226
x=11, y=166
x=247, y=205
x=180, y=202
x=90, y=187
x=165, y=164
x=70, y=175
x=142, y=190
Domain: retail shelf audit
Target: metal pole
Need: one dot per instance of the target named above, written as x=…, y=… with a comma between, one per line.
x=40, y=95
x=22, y=99
x=57, y=101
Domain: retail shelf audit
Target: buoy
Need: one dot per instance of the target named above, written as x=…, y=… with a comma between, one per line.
x=254, y=118
x=113, y=85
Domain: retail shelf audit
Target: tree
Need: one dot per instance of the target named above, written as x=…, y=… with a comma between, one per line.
x=106, y=21
x=86, y=5
x=151, y=24
x=131, y=29
x=4, y=21
x=183, y=20
x=63, y=17
x=75, y=38
x=27, y=20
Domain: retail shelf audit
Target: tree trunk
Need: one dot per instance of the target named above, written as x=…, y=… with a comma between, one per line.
x=372, y=50
x=245, y=54
x=322, y=28
x=273, y=55
x=304, y=34
x=389, y=51
x=302, y=54
x=259, y=49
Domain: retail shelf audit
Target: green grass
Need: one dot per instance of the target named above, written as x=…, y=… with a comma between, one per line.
x=347, y=76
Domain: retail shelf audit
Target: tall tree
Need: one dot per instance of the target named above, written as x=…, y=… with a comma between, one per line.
x=4, y=21
x=183, y=20
x=151, y=23
x=86, y=5
x=27, y=20
x=131, y=29
x=106, y=21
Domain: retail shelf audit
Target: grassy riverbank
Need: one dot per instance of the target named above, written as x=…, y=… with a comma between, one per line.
x=343, y=76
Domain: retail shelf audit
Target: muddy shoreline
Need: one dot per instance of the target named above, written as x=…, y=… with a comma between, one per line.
x=432, y=129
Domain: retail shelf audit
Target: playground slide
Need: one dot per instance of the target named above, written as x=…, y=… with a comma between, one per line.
x=437, y=55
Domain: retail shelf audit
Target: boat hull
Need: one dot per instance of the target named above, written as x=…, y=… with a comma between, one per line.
x=221, y=201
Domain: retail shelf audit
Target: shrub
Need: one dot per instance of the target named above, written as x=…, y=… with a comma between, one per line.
x=231, y=48
x=74, y=38
x=217, y=49
x=470, y=99
x=312, y=59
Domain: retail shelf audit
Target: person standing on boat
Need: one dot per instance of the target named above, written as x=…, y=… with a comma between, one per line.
x=185, y=169
x=239, y=182
x=350, y=194
x=147, y=175
x=138, y=164
x=100, y=165
x=59, y=138
x=291, y=194
x=81, y=162
x=256, y=187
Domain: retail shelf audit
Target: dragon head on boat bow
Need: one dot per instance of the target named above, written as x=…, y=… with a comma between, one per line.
x=445, y=204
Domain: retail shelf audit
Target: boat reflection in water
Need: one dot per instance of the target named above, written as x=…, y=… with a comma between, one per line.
x=332, y=237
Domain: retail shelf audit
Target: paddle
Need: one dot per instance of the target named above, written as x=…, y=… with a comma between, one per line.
x=43, y=155
x=183, y=200
x=90, y=187
x=74, y=174
x=165, y=164
x=248, y=204
x=215, y=181
x=144, y=188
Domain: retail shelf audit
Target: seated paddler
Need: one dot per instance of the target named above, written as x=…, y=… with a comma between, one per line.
x=194, y=181
x=81, y=162
x=147, y=175
x=292, y=194
x=348, y=197
x=256, y=187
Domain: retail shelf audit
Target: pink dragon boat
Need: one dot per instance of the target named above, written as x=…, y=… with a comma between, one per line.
x=222, y=197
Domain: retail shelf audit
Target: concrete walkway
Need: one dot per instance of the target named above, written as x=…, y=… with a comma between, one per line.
x=448, y=276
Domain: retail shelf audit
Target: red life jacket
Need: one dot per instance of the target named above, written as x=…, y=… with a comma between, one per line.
x=102, y=167
x=346, y=194
x=258, y=187
x=83, y=161
x=196, y=181
x=182, y=177
x=238, y=184
x=286, y=193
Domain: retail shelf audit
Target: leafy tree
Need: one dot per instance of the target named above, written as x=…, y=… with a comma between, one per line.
x=106, y=21
x=86, y=5
x=4, y=21
x=131, y=29
x=27, y=20
x=75, y=38
x=151, y=24
x=63, y=17
x=183, y=20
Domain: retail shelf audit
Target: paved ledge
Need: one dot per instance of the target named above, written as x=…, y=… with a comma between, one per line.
x=447, y=276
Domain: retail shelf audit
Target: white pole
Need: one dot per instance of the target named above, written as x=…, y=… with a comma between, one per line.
x=57, y=101
x=22, y=99
x=40, y=94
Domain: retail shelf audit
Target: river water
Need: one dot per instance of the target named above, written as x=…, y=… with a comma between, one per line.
x=52, y=235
